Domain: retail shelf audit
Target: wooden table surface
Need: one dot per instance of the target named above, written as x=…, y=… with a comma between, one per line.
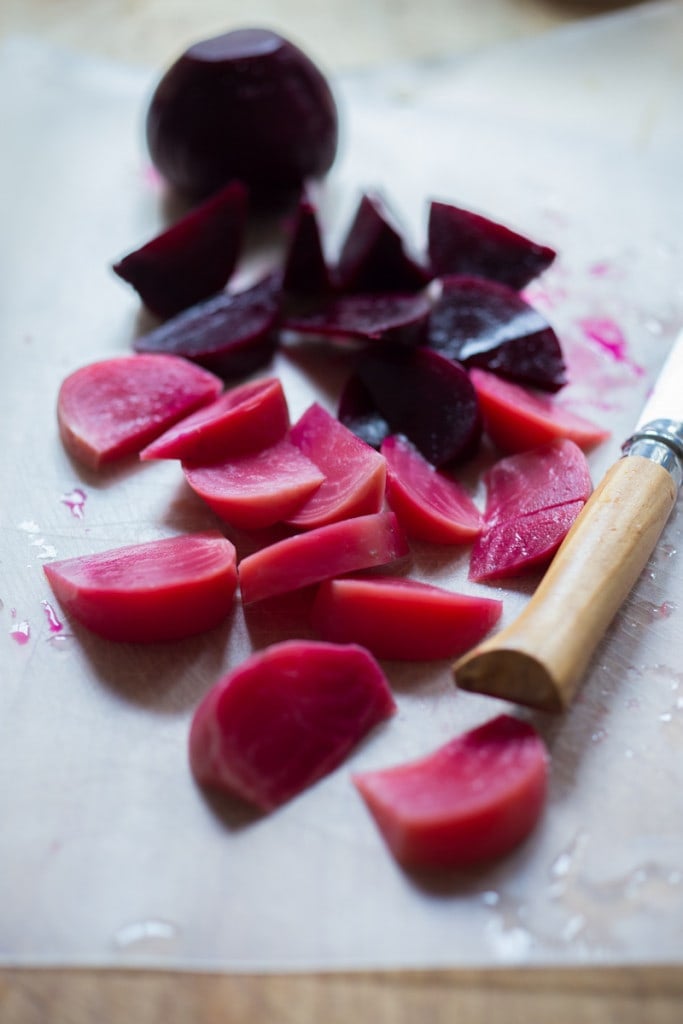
x=340, y=34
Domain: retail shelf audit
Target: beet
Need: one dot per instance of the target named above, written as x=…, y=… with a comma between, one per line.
x=305, y=272
x=191, y=260
x=486, y=324
x=350, y=545
x=243, y=419
x=146, y=593
x=115, y=407
x=462, y=242
x=516, y=418
x=285, y=718
x=258, y=489
x=232, y=334
x=355, y=474
x=357, y=411
x=396, y=318
x=249, y=105
x=425, y=396
x=532, y=500
x=429, y=504
x=469, y=801
x=373, y=256
x=402, y=619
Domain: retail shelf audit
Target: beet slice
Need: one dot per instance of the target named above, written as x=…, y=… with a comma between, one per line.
x=115, y=407
x=516, y=418
x=191, y=260
x=307, y=558
x=472, y=800
x=402, y=619
x=305, y=272
x=145, y=593
x=427, y=397
x=231, y=334
x=358, y=412
x=243, y=419
x=258, y=489
x=373, y=256
x=463, y=242
x=285, y=718
x=532, y=501
x=396, y=318
x=487, y=324
x=354, y=473
x=247, y=104
x=429, y=505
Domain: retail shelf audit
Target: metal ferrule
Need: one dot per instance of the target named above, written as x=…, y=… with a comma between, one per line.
x=660, y=441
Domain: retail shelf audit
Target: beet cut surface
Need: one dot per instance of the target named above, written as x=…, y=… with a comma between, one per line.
x=385, y=317
x=231, y=334
x=489, y=325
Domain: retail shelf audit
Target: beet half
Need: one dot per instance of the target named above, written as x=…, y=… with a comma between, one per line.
x=247, y=105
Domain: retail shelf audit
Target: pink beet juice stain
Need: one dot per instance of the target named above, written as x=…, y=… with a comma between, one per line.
x=20, y=631
x=52, y=620
x=75, y=502
x=609, y=336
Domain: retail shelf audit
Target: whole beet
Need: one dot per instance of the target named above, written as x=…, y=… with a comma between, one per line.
x=248, y=105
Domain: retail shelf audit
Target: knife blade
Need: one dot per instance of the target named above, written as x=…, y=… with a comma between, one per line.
x=540, y=659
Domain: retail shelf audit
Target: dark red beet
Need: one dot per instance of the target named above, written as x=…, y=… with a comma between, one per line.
x=305, y=273
x=373, y=256
x=358, y=412
x=486, y=324
x=191, y=260
x=427, y=397
x=249, y=105
x=231, y=334
x=382, y=317
x=462, y=242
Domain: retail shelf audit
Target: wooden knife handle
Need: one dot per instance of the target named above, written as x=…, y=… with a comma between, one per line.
x=540, y=658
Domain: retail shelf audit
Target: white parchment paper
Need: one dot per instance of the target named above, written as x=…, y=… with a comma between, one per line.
x=109, y=854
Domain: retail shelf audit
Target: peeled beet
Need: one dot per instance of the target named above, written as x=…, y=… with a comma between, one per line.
x=191, y=260
x=358, y=412
x=425, y=396
x=373, y=256
x=469, y=801
x=486, y=324
x=517, y=418
x=233, y=333
x=462, y=242
x=115, y=407
x=355, y=474
x=245, y=105
x=285, y=718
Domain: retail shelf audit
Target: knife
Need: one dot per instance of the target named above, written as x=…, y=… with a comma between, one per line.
x=541, y=657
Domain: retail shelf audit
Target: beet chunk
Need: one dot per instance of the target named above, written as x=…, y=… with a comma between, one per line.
x=393, y=317
x=248, y=105
x=462, y=242
x=486, y=324
x=427, y=397
x=373, y=256
x=191, y=260
x=285, y=718
x=231, y=334
x=305, y=274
